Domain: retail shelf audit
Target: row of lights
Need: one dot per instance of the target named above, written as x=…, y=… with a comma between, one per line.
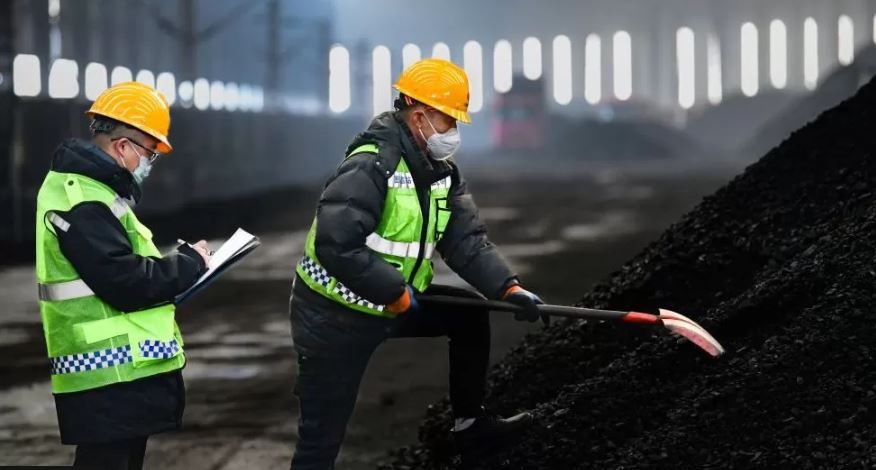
x=339, y=65
x=217, y=95
x=778, y=58
x=63, y=83
x=339, y=70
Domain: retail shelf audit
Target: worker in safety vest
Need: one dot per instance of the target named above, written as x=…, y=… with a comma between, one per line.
x=397, y=197
x=105, y=292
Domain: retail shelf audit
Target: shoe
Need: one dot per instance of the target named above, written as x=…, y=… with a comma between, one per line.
x=491, y=431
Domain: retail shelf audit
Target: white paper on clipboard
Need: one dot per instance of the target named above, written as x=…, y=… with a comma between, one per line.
x=233, y=250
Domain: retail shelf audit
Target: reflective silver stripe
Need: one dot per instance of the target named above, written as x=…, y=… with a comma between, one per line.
x=406, y=181
x=64, y=290
x=401, y=249
x=401, y=180
x=119, y=207
x=442, y=183
x=59, y=222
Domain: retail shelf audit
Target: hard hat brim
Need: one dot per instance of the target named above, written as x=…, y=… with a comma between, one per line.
x=461, y=116
x=163, y=146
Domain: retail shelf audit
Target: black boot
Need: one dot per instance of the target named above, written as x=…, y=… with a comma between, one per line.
x=491, y=431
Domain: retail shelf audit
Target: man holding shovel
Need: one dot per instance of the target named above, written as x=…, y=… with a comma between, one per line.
x=397, y=197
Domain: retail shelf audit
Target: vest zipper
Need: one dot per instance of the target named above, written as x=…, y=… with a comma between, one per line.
x=424, y=210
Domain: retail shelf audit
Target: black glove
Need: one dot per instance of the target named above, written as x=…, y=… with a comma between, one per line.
x=529, y=301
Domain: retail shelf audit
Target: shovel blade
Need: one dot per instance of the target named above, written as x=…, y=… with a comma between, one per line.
x=689, y=329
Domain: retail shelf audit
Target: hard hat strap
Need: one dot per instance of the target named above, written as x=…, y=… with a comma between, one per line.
x=100, y=125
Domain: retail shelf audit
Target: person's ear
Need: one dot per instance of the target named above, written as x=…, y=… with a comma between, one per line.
x=116, y=149
x=122, y=151
x=123, y=145
x=416, y=118
x=420, y=122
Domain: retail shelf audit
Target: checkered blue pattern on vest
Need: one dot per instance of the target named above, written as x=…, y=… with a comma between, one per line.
x=155, y=349
x=111, y=357
x=354, y=298
x=315, y=271
x=91, y=360
x=320, y=275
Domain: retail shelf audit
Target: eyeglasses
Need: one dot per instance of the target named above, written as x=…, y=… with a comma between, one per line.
x=153, y=155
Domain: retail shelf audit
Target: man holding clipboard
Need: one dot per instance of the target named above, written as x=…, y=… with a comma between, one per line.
x=106, y=293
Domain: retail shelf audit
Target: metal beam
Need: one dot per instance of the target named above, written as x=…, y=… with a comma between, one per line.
x=229, y=18
x=8, y=224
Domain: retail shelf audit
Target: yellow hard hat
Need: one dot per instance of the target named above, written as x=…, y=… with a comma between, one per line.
x=438, y=83
x=139, y=106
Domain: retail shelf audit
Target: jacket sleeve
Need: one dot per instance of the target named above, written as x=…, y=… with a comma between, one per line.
x=467, y=250
x=349, y=210
x=97, y=246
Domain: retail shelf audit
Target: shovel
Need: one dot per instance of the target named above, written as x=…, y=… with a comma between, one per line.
x=677, y=323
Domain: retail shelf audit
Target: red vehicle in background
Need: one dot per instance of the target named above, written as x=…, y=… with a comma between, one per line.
x=519, y=116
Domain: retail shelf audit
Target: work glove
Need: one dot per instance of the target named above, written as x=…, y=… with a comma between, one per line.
x=529, y=301
x=406, y=303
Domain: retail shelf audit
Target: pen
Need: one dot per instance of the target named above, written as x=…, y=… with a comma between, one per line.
x=183, y=242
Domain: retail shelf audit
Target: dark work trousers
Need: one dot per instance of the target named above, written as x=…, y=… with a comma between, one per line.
x=121, y=455
x=334, y=345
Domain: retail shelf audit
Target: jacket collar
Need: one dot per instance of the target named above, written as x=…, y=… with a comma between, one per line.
x=86, y=159
x=392, y=133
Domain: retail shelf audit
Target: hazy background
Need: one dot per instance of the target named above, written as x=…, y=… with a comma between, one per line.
x=596, y=124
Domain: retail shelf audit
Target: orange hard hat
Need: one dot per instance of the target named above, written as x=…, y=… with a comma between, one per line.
x=139, y=106
x=438, y=83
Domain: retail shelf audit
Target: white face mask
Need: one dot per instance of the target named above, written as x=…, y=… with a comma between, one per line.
x=143, y=169
x=441, y=146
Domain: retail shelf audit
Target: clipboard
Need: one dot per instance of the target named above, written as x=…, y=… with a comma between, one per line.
x=232, y=251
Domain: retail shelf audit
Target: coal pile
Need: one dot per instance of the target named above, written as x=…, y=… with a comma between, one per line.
x=780, y=266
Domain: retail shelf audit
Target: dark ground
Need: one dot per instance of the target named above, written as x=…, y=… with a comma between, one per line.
x=562, y=230
x=779, y=266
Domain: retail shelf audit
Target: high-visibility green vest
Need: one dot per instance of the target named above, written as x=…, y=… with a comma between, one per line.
x=402, y=238
x=91, y=344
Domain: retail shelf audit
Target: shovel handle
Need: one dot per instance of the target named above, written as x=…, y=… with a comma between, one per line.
x=553, y=310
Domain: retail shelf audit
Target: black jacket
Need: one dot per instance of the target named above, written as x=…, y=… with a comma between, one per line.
x=352, y=202
x=97, y=246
